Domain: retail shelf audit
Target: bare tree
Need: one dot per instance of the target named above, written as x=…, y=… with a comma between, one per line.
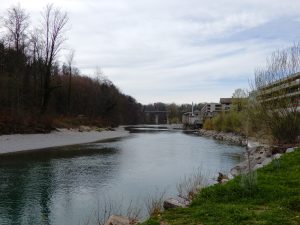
x=239, y=99
x=53, y=30
x=70, y=61
x=17, y=22
x=35, y=51
x=35, y=45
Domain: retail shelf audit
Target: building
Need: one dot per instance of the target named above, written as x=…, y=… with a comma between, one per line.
x=226, y=103
x=288, y=88
x=209, y=110
x=193, y=119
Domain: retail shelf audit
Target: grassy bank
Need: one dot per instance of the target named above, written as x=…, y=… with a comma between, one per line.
x=275, y=199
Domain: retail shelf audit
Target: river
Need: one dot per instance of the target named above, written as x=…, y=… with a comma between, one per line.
x=69, y=185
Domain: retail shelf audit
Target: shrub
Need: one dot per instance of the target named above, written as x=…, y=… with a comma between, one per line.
x=229, y=122
x=208, y=125
x=286, y=129
x=218, y=121
x=189, y=186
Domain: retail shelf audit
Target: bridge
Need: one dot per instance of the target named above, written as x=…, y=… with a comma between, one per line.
x=158, y=113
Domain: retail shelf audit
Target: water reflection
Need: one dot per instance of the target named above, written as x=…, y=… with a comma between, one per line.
x=66, y=185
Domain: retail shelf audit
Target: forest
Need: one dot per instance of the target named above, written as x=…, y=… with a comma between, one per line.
x=39, y=92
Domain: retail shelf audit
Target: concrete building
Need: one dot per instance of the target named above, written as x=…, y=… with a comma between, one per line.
x=226, y=103
x=193, y=119
x=288, y=87
x=209, y=110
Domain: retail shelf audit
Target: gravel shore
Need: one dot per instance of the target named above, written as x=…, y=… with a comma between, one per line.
x=62, y=137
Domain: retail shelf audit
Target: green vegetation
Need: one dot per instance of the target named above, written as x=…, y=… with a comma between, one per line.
x=227, y=122
x=275, y=199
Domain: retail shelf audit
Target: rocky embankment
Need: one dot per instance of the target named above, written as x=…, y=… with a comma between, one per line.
x=257, y=157
x=223, y=136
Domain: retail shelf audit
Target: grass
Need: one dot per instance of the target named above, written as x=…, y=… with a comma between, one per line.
x=275, y=200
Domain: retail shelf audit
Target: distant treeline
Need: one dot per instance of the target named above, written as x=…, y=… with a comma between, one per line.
x=36, y=90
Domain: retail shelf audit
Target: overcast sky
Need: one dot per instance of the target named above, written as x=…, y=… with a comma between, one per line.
x=175, y=50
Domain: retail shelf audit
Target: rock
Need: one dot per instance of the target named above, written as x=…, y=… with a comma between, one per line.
x=266, y=161
x=276, y=156
x=184, y=201
x=84, y=128
x=289, y=150
x=221, y=177
x=258, y=158
x=257, y=166
x=223, y=181
x=120, y=220
x=235, y=172
x=251, y=149
x=222, y=136
x=230, y=176
x=173, y=203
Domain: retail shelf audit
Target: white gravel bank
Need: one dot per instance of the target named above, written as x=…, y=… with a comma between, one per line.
x=63, y=137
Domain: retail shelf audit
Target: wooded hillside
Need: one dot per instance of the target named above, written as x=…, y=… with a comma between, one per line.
x=37, y=90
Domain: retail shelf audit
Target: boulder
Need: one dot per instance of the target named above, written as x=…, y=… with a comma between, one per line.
x=235, y=172
x=173, y=203
x=266, y=161
x=221, y=177
x=276, y=156
x=289, y=150
x=84, y=129
x=257, y=166
x=230, y=176
x=223, y=181
x=120, y=220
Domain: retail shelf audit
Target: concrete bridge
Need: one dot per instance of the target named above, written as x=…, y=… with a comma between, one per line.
x=157, y=114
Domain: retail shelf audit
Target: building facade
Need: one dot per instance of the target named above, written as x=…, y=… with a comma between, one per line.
x=287, y=88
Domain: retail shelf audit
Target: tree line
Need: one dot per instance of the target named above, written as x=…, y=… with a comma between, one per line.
x=35, y=87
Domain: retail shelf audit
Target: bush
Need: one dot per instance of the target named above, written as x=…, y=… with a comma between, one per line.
x=218, y=121
x=228, y=122
x=286, y=129
x=208, y=125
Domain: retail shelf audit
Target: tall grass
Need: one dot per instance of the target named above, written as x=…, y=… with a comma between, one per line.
x=189, y=186
x=109, y=208
x=154, y=203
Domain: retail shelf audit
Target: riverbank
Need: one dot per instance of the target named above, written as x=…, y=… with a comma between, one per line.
x=272, y=197
x=223, y=136
x=257, y=153
x=61, y=137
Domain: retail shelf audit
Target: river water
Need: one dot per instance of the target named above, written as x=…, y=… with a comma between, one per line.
x=71, y=185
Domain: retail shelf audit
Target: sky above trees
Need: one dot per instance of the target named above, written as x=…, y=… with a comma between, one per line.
x=174, y=50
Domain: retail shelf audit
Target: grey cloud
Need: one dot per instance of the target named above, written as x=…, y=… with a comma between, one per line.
x=173, y=50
